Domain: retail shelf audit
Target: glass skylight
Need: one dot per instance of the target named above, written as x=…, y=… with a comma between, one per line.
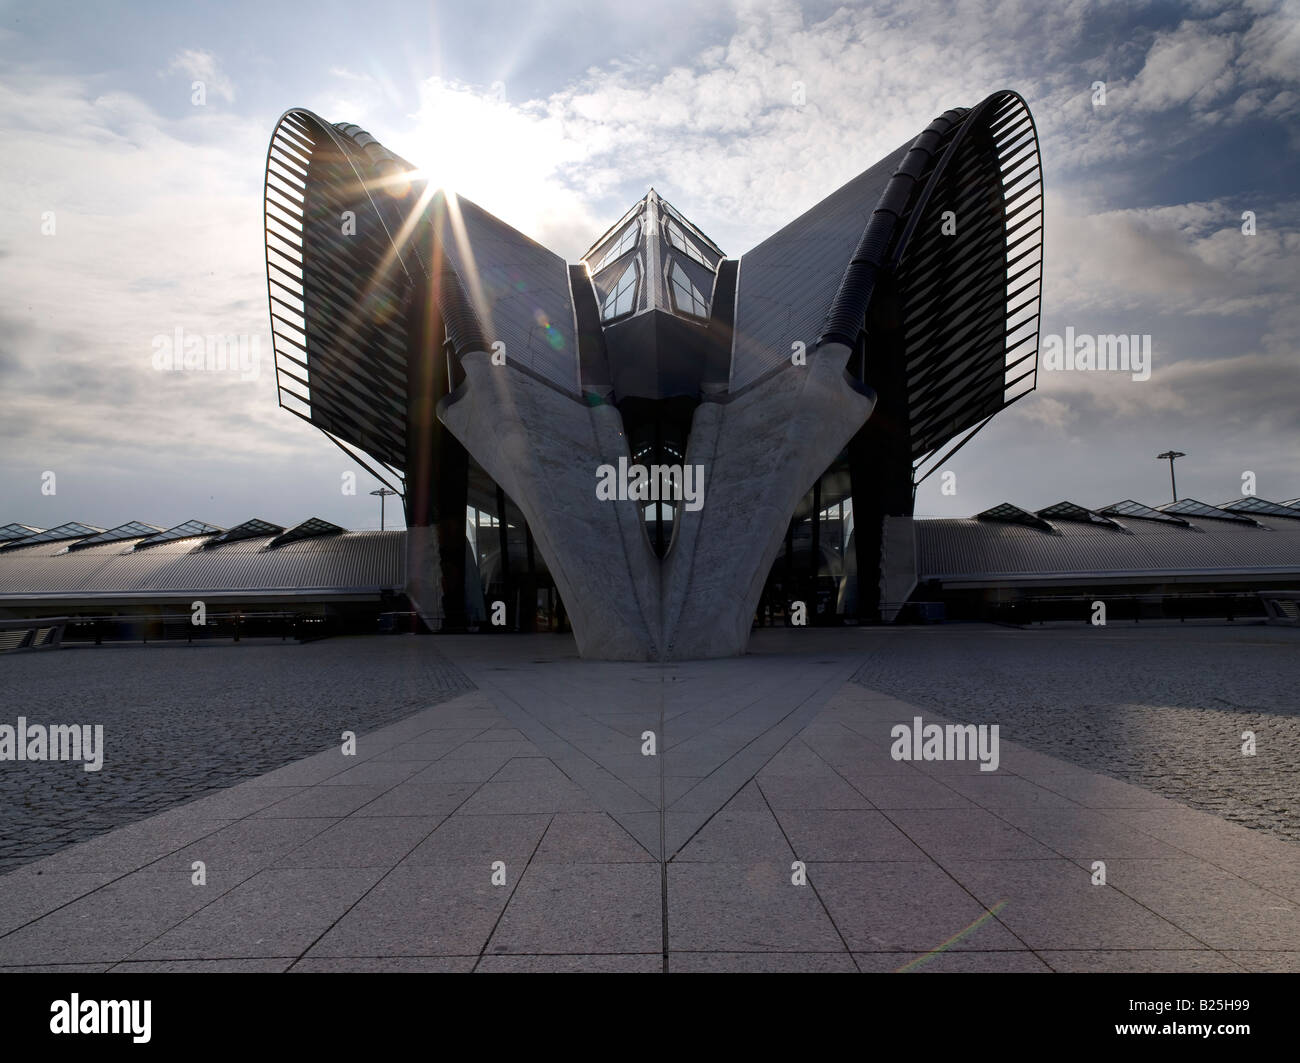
x=250, y=529
x=72, y=530
x=1006, y=513
x=685, y=244
x=686, y=297
x=625, y=243
x=1069, y=511
x=11, y=532
x=622, y=297
x=1129, y=508
x=1190, y=507
x=190, y=529
x=308, y=529
x=1251, y=504
x=131, y=530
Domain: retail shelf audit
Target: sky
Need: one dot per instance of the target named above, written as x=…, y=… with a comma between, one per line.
x=133, y=210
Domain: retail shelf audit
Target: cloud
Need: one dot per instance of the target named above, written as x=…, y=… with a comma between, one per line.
x=1192, y=258
x=202, y=66
x=159, y=218
x=1193, y=65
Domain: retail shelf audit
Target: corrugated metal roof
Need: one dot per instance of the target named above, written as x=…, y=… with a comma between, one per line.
x=519, y=289
x=788, y=281
x=353, y=562
x=975, y=551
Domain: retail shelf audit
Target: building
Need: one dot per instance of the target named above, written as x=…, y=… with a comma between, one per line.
x=801, y=390
x=1182, y=560
x=797, y=394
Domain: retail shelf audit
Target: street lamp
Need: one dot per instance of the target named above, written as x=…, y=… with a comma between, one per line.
x=383, y=493
x=1171, y=455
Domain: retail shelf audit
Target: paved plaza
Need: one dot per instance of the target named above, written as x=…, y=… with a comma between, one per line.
x=519, y=821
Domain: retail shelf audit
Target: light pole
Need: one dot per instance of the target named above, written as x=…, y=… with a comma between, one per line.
x=383, y=493
x=1171, y=455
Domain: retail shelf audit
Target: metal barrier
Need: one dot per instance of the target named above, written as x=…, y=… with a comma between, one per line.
x=1281, y=607
x=42, y=633
x=1191, y=605
x=51, y=632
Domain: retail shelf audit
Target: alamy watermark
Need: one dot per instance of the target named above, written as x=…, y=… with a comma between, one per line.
x=1082, y=353
x=212, y=352
x=653, y=483
x=75, y=1015
x=59, y=741
x=954, y=741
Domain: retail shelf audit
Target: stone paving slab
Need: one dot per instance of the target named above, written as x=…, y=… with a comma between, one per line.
x=497, y=831
x=952, y=962
x=278, y=912
x=588, y=908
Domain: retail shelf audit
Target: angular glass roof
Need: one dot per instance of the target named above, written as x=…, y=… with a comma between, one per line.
x=190, y=529
x=132, y=529
x=622, y=297
x=308, y=529
x=1077, y=514
x=689, y=226
x=72, y=530
x=685, y=244
x=1006, y=513
x=687, y=298
x=1251, y=504
x=1190, y=507
x=250, y=529
x=1129, y=508
x=17, y=531
x=624, y=244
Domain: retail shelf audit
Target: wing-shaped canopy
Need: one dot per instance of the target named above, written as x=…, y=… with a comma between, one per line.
x=360, y=252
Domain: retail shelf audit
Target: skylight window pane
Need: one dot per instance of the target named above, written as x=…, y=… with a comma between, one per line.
x=17, y=531
x=1129, y=508
x=1190, y=507
x=188, y=530
x=131, y=530
x=625, y=243
x=622, y=297
x=686, y=297
x=684, y=243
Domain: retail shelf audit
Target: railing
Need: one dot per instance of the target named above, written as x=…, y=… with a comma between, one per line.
x=50, y=632
x=1281, y=607
x=44, y=633
x=1183, y=606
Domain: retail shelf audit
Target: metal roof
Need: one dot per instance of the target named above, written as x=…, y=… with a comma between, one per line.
x=789, y=281
x=518, y=289
x=364, y=562
x=987, y=553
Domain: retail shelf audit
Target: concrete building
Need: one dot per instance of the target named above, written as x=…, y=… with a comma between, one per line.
x=1180, y=560
x=783, y=406
x=823, y=373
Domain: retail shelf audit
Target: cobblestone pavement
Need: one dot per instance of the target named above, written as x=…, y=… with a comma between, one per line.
x=1162, y=707
x=180, y=722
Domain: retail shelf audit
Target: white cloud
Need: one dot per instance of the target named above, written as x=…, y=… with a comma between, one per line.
x=1191, y=65
x=159, y=219
x=202, y=66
